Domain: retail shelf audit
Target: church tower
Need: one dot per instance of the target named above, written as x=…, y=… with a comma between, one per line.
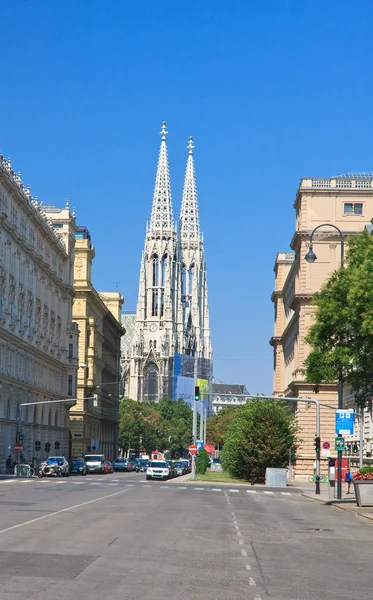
x=155, y=339
x=172, y=320
x=194, y=328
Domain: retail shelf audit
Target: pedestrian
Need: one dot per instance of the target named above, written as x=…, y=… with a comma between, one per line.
x=348, y=479
x=8, y=465
x=252, y=478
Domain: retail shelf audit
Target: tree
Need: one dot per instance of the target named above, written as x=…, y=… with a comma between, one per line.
x=217, y=425
x=342, y=334
x=131, y=425
x=260, y=435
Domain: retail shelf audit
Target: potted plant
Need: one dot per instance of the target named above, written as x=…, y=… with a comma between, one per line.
x=363, y=484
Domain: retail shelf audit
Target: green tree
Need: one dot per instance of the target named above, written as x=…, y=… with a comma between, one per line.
x=260, y=435
x=341, y=337
x=131, y=425
x=203, y=461
x=217, y=425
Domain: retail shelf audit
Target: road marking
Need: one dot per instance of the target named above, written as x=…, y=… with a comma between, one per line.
x=199, y=488
x=251, y=491
x=147, y=485
x=95, y=483
x=243, y=552
x=257, y=597
x=286, y=493
x=215, y=489
x=252, y=581
x=63, y=510
x=77, y=482
x=238, y=532
x=233, y=515
x=234, y=490
x=113, y=483
x=236, y=527
x=248, y=567
x=182, y=488
x=165, y=487
x=268, y=492
x=132, y=485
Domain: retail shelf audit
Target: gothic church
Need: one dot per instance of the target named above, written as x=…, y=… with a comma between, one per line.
x=172, y=318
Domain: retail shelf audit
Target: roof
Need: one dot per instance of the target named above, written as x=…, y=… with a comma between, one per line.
x=228, y=388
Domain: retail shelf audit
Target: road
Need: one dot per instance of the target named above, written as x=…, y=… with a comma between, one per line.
x=117, y=537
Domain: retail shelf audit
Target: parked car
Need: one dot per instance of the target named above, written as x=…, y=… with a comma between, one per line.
x=158, y=469
x=122, y=464
x=180, y=468
x=186, y=464
x=143, y=465
x=172, y=468
x=78, y=467
x=95, y=463
x=108, y=467
x=135, y=465
x=62, y=463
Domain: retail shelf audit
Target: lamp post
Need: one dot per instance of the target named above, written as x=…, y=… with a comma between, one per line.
x=310, y=258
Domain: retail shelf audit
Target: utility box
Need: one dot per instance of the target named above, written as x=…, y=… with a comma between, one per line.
x=276, y=477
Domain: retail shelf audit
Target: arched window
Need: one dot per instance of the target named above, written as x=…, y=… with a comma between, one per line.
x=183, y=280
x=163, y=270
x=191, y=277
x=151, y=383
x=155, y=270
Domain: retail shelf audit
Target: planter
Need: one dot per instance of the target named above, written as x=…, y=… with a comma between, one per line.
x=364, y=492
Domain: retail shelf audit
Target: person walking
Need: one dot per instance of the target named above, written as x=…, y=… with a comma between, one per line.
x=8, y=465
x=348, y=480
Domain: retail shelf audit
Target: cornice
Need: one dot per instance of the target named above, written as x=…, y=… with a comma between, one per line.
x=92, y=295
x=298, y=299
x=30, y=349
x=275, y=340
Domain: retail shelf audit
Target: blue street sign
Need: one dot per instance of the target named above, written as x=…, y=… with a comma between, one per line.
x=199, y=444
x=344, y=422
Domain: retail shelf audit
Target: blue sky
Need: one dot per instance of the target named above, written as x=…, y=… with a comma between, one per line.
x=272, y=91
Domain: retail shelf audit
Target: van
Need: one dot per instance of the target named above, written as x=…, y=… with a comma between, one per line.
x=95, y=463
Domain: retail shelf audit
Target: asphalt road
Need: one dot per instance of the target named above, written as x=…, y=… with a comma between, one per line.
x=117, y=537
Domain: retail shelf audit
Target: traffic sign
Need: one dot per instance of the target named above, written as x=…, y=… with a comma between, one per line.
x=339, y=444
x=344, y=422
x=199, y=444
x=193, y=449
x=18, y=447
x=326, y=445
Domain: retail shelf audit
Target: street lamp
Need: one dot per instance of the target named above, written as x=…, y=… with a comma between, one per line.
x=310, y=258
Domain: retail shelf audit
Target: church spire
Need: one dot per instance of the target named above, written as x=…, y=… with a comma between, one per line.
x=189, y=219
x=162, y=218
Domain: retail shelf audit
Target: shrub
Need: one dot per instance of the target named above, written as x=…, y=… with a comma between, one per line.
x=203, y=461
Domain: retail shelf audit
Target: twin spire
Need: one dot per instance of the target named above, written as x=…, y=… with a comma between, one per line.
x=162, y=215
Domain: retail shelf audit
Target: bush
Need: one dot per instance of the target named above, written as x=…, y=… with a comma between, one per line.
x=203, y=461
x=363, y=474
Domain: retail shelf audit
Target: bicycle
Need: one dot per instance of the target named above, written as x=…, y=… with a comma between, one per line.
x=24, y=471
x=323, y=478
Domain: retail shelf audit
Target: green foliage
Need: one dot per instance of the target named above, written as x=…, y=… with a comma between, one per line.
x=217, y=425
x=366, y=470
x=342, y=335
x=203, y=461
x=260, y=435
x=151, y=426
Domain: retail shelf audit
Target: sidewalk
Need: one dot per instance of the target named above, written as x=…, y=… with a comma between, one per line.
x=348, y=501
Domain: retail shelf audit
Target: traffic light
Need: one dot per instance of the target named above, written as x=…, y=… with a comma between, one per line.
x=196, y=393
x=20, y=438
x=317, y=444
x=56, y=445
x=47, y=446
x=37, y=446
x=354, y=449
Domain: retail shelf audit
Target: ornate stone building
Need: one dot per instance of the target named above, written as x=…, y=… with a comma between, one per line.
x=172, y=315
x=36, y=329
x=347, y=202
x=94, y=418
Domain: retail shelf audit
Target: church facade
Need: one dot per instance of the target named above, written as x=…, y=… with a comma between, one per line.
x=171, y=326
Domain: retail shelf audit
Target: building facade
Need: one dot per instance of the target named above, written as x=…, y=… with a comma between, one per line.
x=94, y=418
x=347, y=202
x=228, y=395
x=172, y=315
x=36, y=329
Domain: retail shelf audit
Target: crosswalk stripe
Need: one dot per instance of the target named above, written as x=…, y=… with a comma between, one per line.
x=234, y=490
x=251, y=491
x=268, y=492
x=286, y=493
x=215, y=489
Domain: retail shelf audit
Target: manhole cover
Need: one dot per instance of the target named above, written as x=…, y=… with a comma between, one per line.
x=319, y=529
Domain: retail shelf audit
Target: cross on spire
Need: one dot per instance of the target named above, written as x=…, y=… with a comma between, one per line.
x=189, y=217
x=162, y=217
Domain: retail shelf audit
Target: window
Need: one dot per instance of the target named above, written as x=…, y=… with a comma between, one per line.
x=155, y=304
x=70, y=386
x=163, y=270
x=351, y=208
x=71, y=350
x=183, y=280
x=155, y=270
x=191, y=277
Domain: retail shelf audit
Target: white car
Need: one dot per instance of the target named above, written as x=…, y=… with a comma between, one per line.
x=62, y=463
x=158, y=469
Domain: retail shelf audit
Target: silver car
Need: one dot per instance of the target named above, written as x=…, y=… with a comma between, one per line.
x=62, y=463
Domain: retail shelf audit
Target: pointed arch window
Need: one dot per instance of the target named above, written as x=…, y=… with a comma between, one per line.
x=191, y=277
x=151, y=383
x=183, y=280
x=155, y=270
x=163, y=270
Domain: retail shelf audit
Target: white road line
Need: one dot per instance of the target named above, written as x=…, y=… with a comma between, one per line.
x=268, y=492
x=26, y=480
x=233, y=515
x=215, y=489
x=63, y=510
x=243, y=552
x=234, y=490
x=164, y=487
x=95, y=483
x=133, y=485
x=286, y=493
x=238, y=532
x=251, y=491
x=252, y=581
x=248, y=567
x=78, y=482
x=236, y=527
x=113, y=484
x=199, y=488
x=147, y=485
x=182, y=488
